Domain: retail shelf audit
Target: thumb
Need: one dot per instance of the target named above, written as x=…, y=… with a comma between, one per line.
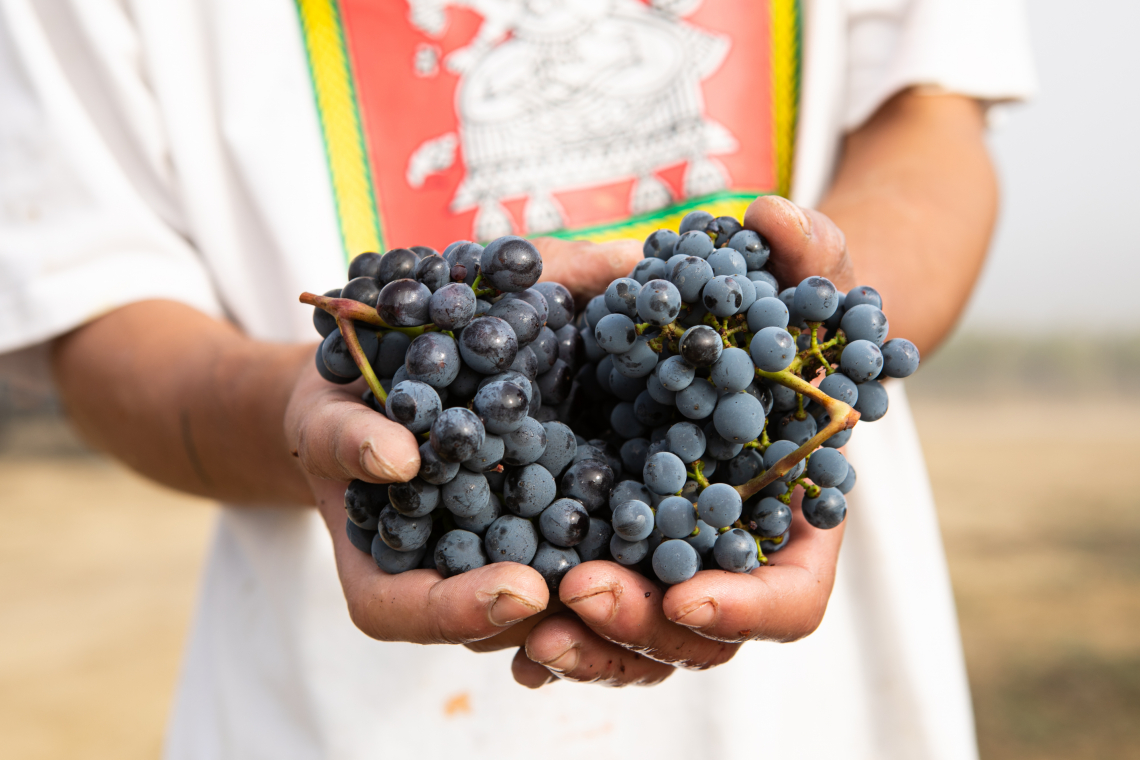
x=804, y=242
x=336, y=437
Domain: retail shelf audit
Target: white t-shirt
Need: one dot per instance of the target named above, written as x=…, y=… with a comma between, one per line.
x=172, y=150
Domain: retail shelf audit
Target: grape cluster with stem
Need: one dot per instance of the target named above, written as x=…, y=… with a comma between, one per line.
x=667, y=426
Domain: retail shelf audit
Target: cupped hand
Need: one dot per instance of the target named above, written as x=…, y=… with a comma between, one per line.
x=626, y=629
x=338, y=439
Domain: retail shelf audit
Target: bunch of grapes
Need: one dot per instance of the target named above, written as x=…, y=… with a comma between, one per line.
x=667, y=426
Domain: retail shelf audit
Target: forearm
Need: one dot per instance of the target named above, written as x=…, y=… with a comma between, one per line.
x=186, y=400
x=916, y=197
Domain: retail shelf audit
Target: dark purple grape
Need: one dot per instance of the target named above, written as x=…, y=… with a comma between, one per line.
x=362, y=290
x=511, y=264
x=467, y=255
x=323, y=370
x=535, y=298
x=433, y=358
x=433, y=272
x=560, y=301
x=569, y=345
x=322, y=320
x=365, y=265
x=502, y=406
x=456, y=434
x=723, y=228
x=526, y=363
x=364, y=501
x=397, y=264
x=564, y=523
x=701, y=346
x=555, y=383
x=404, y=303
x=521, y=316
x=488, y=345
x=452, y=307
x=589, y=481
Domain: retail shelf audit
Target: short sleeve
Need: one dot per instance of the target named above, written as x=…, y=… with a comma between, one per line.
x=978, y=48
x=89, y=218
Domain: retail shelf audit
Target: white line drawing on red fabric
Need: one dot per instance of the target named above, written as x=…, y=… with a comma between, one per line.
x=559, y=95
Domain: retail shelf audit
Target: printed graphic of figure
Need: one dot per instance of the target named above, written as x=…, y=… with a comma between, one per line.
x=561, y=95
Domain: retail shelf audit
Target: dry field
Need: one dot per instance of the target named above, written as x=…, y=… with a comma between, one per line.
x=98, y=571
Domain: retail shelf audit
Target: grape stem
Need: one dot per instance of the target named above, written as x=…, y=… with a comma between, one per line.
x=698, y=474
x=358, y=312
x=843, y=417
x=348, y=332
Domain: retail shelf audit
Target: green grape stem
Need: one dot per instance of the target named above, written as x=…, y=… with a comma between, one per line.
x=843, y=417
x=348, y=332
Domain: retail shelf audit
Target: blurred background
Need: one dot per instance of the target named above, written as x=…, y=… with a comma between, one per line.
x=1036, y=391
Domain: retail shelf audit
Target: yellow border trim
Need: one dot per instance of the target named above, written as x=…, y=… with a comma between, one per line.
x=786, y=49
x=340, y=122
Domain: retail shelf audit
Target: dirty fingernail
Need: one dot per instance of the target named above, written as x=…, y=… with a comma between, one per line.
x=595, y=607
x=508, y=609
x=700, y=616
x=801, y=217
x=564, y=662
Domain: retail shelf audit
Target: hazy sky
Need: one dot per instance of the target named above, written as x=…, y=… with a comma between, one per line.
x=1070, y=220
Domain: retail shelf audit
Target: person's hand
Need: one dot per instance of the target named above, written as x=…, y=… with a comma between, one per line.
x=625, y=630
x=586, y=268
x=338, y=439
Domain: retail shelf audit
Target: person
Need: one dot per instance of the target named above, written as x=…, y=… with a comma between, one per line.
x=166, y=197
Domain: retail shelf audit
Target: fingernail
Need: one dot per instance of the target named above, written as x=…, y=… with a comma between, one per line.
x=508, y=609
x=375, y=464
x=801, y=217
x=564, y=662
x=596, y=607
x=700, y=616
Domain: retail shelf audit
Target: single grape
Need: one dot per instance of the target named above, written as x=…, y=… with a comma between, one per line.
x=826, y=468
x=596, y=544
x=555, y=383
x=675, y=373
x=733, y=371
x=545, y=348
x=634, y=453
x=739, y=417
x=463, y=254
x=404, y=534
x=648, y=269
x=616, y=333
x=772, y=349
x=391, y=354
x=705, y=539
x=564, y=523
x=362, y=290
x=511, y=539
x=826, y=510
x=658, y=303
x=621, y=296
x=840, y=387
x=693, y=243
x=433, y=469
x=700, y=346
x=525, y=444
x=528, y=490
x=365, y=265
x=595, y=310
x=695, y=220
x=526, y=363
x=560, y=447
x=675, y=562
x=336, y=357
x=863, y=294
x=764, y=277
x=433, y=358
x=777, y=451
x=394, y=562
x=752, y=247
x=722, y=296
x=900, y=358
x=456, y=434
x=488, y=345
x=359, y=537
x=735, y=551
x=414, y=405
x=537, y=301
x=770, y=517
x=861, y=361
x=690, y=276
x=459, y=551
x=687, y=441
x=722, y=229
x=502, y=406
x=864, y=322
x=511, y=264
x=659, y=392
x=697, y=401
x=415, y=498
x=659, y=244
x=675, y=517
x=873, y=402
x=552, y=563
x=848, y=482
x=743, y=467
x=363, y=503
x=627, y=552
x=466, y=494
x=434, y=272
x=719, y=505
x=322, y=320
x=815, y=299
x=488, y=456
x=727, y=261
x=404, y=303
x=638, y=361
x=560, y=303
x=397, y=264
x=664, y=473
x=589, y=481
x=521, y=316
x=633, y=521
x=788, y=428
x=483, y=520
